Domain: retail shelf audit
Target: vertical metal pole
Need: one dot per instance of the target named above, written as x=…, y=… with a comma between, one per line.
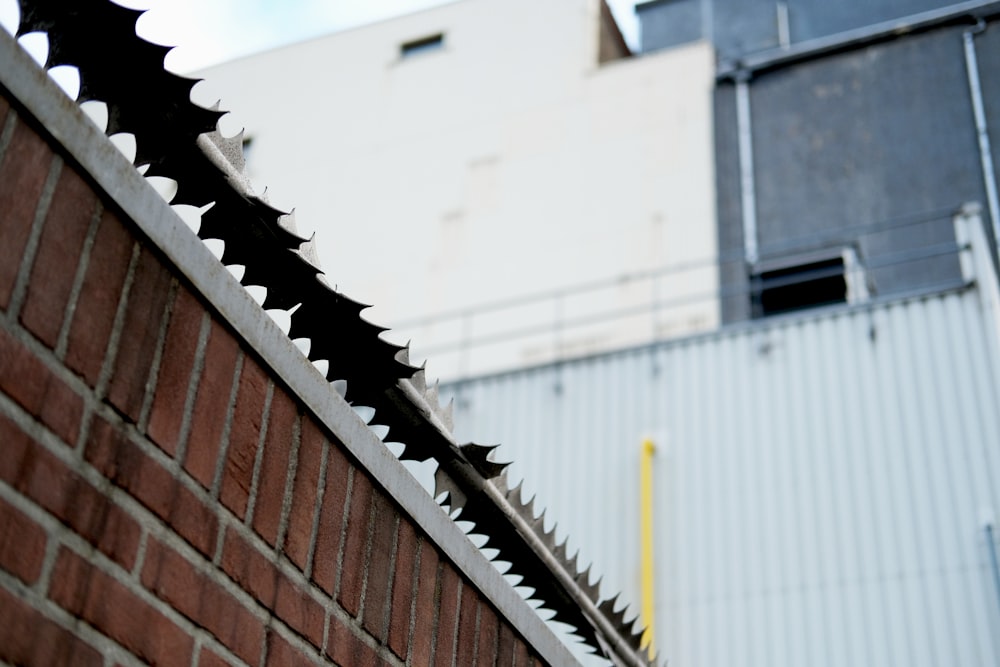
x=748, y=195
x=982, y=131
x=646, y=537
x=784, y=29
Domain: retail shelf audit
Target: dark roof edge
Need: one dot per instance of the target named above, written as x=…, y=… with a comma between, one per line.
x=967, y=12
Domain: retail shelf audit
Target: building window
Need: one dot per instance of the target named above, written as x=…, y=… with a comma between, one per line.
x=797, y=283
x=422, y=45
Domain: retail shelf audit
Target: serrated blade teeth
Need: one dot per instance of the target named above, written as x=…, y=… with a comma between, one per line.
x=478, y=456
x=444, y=484
x=289, y=223
x=593, y=591
x=608, y=606
x=514, y=494
x=419, y=381
x=500, y=482
x=309, y=253
x=431, y=394
x=403, y=356
x=447, y=414
x=561, y=553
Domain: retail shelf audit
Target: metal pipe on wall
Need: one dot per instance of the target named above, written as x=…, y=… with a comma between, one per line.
x=784, y=27
x=982, y=130
x=748, y=195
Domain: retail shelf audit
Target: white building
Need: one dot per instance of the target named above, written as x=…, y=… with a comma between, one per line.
x=488, y=150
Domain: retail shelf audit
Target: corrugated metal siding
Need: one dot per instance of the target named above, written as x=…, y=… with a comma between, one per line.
x=821, y=481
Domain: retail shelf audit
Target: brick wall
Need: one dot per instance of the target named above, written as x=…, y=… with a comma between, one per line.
x=163, y=498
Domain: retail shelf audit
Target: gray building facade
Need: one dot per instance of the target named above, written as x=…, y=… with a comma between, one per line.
x=846, y=135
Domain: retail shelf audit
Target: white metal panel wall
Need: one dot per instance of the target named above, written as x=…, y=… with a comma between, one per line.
x=821, y=481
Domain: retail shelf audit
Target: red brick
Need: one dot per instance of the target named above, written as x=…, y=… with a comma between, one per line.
x=274, y=467
x=176, y=581
x=259, y=577
x=506, y=646
x=465, y=647
x=244, y=437
x=347, y=649
x=4, y=109
x=43, y=478
x=121, y=461
x=355, y=554
x=486, y=653
x=428, y=600
x=176, y=365
x=107, y=604
x=377, y=585
x=402, y=589
x=448, y=616
x=328, y=537
x=140, y=332
x=23, y=172
x=14, y=440
x=65, y=230
x=27, y=380
x=209, y=658
x=94, y=315
x=521, y=656
x=211, y=404
x=22, y=544
x=301, y=612
x=249, y=568
x=282, y=654
x=304, y=492
x=28, y=638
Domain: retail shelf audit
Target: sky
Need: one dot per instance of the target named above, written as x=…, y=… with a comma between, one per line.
x=207, y=32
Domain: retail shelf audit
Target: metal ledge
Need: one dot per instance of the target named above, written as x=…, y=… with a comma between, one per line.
x=962, y=13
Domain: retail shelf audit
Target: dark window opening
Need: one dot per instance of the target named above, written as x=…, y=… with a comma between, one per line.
x=798, y=287
x=422, y=45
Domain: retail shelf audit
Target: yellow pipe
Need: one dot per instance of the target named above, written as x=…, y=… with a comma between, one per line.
x=646, y=537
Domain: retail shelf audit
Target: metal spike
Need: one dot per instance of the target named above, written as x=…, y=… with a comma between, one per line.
x=447, y=415
x=608, y=606
x=478, y=456
x=571, y=564
x=431, y=394
x=593, y=591
x=514, y=495
x=419, y=380
x=443, y=483
x=231, y=147
x=309, y=253
x=560, y=552
x=288, y=223
x=550, y=537
x=502, y=483
x=403, y=356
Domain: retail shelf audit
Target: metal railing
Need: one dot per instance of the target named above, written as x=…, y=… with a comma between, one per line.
x=907, y=253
